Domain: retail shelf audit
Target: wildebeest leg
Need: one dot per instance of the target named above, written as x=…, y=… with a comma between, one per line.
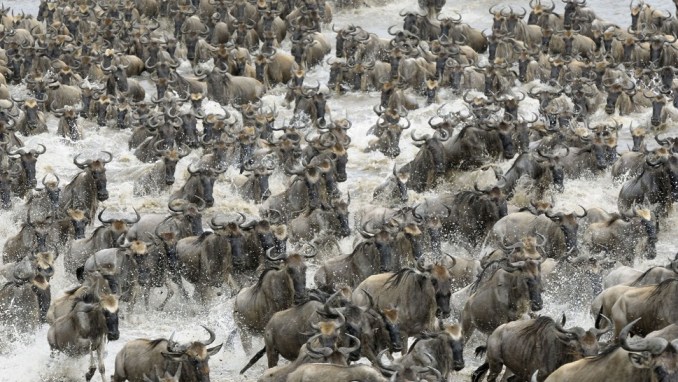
x=467, y=326
x=246, y=340
x=495, y=370
x=272, y=355
x=232, y=284
x=170, y=293
x=100, y=358
x=92, y=366
x=479, y=373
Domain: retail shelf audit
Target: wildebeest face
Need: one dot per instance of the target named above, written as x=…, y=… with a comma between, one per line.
x=440, y=279
x=532, y=276
x=32, y=116
x=296, y=269
x=658, y=104
x=207, y=183
x=410, y=23
x=98, y=172
x=505, y=136
x=194, y=219
x=170, y=160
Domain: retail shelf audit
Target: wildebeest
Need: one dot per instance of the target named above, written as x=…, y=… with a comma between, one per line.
x=160, y=176
x=432, y=355
x=559, y=229
x=641, y=360
x=623, y=236
x=429, y=287
x=108, y=235
x=277, y=289
x=510, y=292
x=509, y=343
x=84, y=330
x=654, y=187
x=22, y=297
x=88, y=187
x=143, y=357
x=646, y=302
x=199, y=186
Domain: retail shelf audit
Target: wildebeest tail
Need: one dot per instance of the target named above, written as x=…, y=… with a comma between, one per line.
x=480, y=351
x=253, y=360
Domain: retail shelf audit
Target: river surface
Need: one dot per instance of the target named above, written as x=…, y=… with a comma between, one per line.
x=29, y=360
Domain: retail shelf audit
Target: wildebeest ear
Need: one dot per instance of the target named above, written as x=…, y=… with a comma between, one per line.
x=178, y=357
x=214, y=350
x=640, y=360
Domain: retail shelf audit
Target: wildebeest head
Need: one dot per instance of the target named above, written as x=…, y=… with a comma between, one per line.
x=614, y=90
x=97, y=171
x=442, y=284
x=142, y=262
x=295, y=267
x=102, y=313
x=52, y=190
x=193, y=357
x=28, y=160
x=638, y=135
x=79, y=221
x=190, y=213
x=656, y=354
x=170, y=159
x=647, y=225
x=658, y=104
x=530, y=272
x=569, y=225
x=555, y=167
x=234, y=235
x=203, y=184
x=581, y=342
x=390, y=127
x=31, y=108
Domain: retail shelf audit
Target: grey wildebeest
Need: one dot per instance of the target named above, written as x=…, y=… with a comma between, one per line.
x=335, y=373
x=473, y=213
x=420, y=295
x=511, y=291
x=160, y=176
x=376, y=329
x=513, y=344
x=143, y=357
x=185, y=220
x=432, y=355
x=108, y=235
x=199, y=186
x=559, y=229
x=22, y=303
x=278, y=288
x=646, y=302
x=124, y=269
x=647, y=360
x=623, y=236
x=209, y=259
x=654, y=187
x=84, y=330
x=88, y=187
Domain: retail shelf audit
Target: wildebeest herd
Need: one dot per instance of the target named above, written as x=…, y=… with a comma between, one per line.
x=463, y=237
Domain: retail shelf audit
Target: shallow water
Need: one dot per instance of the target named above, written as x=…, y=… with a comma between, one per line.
x=29, y=360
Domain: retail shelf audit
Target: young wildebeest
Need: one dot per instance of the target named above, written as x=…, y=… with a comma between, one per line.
x=85, y=328
x=142, y=357
x=514, y=344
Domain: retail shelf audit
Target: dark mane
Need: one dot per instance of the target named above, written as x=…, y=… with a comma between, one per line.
x=399, y=277
x=203, y=236
x=490, y=268
x=260, y=281
x=537, y=329
x=661, y=287
x=641, y=277
x=153, y=343
x=614, y=218
x=604, y=353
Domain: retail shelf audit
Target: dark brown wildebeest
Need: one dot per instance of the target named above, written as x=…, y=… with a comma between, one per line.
x=649, y=303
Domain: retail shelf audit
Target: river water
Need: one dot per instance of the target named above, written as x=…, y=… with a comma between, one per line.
x=29, y=360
